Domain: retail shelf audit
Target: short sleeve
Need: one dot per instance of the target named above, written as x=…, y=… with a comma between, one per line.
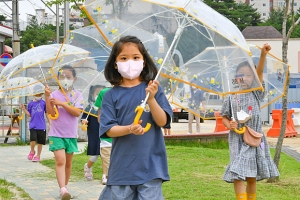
x=226, y=107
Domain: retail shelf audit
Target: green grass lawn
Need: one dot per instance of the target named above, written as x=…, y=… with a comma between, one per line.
x=9, y=191
x=196, y=172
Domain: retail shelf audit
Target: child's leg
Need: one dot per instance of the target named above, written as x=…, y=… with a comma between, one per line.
x=40, y=146
x=105, y=156
x=150, y=190
x=91, y=161
x=33, y=139
x=239, y=188
x=169, y=131
x=32, y=145
x=41, y=140
x=68, y=167
x=251, y=188
x=60, y=165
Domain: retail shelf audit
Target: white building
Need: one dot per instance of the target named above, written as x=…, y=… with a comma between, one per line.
x=264, y=7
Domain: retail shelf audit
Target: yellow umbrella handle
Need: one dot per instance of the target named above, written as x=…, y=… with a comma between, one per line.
x=56, y=114
x=84, y=127
x=139, y=113
x=240, y=130
x=20, y=118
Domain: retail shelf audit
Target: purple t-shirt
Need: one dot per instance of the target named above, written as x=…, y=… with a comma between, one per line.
x=37, y=110
x=66, y=125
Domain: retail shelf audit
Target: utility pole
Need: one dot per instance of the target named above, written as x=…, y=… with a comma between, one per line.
x=66, y=20
x=57, y=23
x=16, y=28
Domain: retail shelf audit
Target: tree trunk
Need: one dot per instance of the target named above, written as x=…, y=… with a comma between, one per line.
x=285, y=40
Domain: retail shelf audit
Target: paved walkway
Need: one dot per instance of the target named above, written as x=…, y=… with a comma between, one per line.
x=15, y=168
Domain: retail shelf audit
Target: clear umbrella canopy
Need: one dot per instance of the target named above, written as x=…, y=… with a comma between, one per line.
x=275, y=75
x=175, y=34
x=20, y=87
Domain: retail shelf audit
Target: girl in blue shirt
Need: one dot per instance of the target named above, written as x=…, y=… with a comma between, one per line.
x=138, y=163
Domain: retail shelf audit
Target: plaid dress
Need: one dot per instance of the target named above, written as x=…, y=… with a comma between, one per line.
x=247, y=161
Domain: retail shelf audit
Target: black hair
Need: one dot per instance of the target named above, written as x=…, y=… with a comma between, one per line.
x=68, y=67
x=91, y=92
x=111, y=73
x=242, y=64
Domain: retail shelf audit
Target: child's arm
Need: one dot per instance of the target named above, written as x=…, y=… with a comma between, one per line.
x=70, y=109
x=49, y=105
x=158, y=114
x=229, y=124
x=24, y=110
x=261, y=63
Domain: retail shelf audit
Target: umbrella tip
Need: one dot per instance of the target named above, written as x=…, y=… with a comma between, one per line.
x=31, y=45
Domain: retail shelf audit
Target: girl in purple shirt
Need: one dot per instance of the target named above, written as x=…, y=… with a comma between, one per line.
x=64, y=126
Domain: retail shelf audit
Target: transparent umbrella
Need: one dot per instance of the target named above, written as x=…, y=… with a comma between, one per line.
x=183, y=30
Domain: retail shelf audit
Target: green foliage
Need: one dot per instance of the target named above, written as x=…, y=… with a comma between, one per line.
x=196, y=172
x=2, y=18
x=11, y=191
x=37, y=35
x=241, y=14
x=276, y=19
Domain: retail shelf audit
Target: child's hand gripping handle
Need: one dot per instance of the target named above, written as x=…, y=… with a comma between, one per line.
x=139, y=110
x=56, y=114
x=240, y=130
x=21, y=117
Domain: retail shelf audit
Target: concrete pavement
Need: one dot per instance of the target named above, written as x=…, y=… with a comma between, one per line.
x=15, y=168
x=28, y=175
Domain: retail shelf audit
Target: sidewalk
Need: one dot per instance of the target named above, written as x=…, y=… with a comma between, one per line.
x=17, y=169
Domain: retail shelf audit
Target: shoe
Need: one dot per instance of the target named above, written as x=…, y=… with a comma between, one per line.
x=104, y=179
x=88, y=172
x=189, y=133
x=64, y=194
x=35, y=159
x=30, y=155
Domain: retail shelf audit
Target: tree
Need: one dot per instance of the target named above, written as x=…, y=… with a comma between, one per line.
x=2, y=18
x=286, y=34
x=36, y=34
x=241, y=14
x=276, y=19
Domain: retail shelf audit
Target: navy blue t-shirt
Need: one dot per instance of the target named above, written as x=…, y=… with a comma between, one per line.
x=135, y=159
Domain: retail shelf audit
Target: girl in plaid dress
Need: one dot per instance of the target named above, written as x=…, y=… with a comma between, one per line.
x=247, y=163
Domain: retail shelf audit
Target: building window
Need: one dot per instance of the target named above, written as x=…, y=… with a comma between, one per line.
x=280, y=4
x=264, y=14
x=264, y=4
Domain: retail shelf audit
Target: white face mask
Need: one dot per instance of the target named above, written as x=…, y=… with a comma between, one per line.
x=130, y=69
x=37, y=98
x=65, y=83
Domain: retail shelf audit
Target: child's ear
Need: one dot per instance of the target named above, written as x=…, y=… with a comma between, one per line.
x=75, y=79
